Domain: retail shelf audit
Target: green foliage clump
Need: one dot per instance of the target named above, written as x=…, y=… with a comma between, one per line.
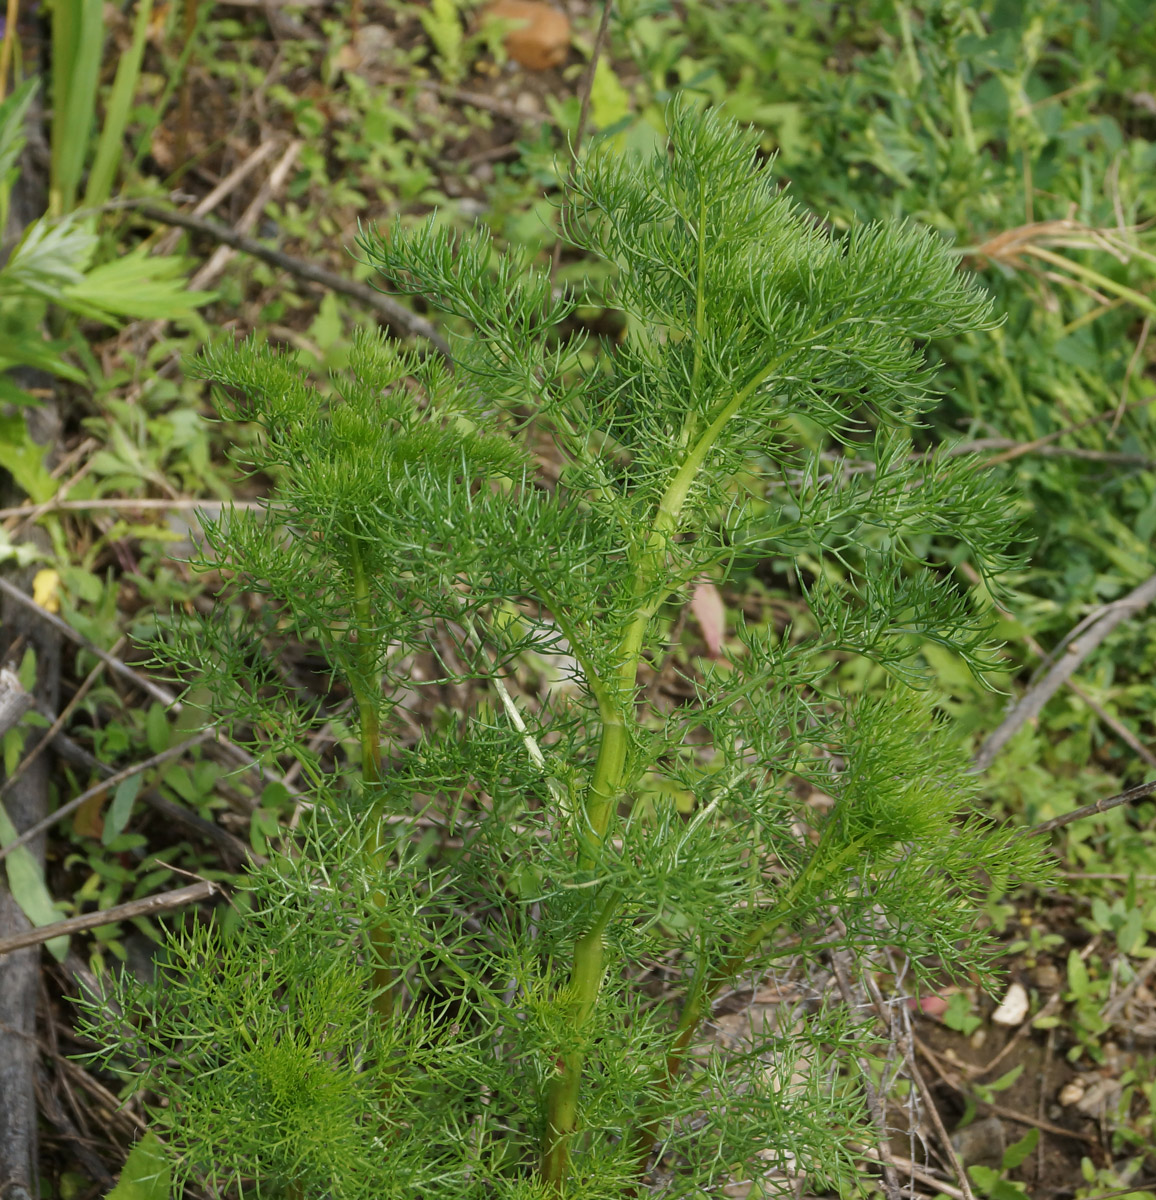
x=465, y=1013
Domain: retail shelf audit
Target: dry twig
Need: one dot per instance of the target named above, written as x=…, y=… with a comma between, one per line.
x=144, y=907
x=878, y=1117
x=393, y=314
x=1077, y=649
x=105, y=784
x=1139, y=792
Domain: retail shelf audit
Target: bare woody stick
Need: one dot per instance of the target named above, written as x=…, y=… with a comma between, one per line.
x=105, y=785
x=159, y=693
x=1077, y=649
x=395, y=315
x=1139, y=792
x=144, y=907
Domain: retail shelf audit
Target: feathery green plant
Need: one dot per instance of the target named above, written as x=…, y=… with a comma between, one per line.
x=441, y=990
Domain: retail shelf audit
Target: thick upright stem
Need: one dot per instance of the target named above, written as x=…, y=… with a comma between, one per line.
x=601, y=799
x=605, y=788
x=366, y=685
x=586, y=979
x=706, y=984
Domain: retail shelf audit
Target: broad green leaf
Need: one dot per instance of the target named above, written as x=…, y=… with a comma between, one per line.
x=609, y=100
x=147, y=1173
x=1018, y=1152
x=23, y=458
x=136, y=285
x=1006, y=1080
x=1130, y=936
x=1077, y=975
x=157, y=729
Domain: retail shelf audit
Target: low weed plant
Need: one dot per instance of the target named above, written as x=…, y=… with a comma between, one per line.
x=484, y=965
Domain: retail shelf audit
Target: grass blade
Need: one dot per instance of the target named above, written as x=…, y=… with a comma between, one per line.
x=77, y=44
x=110, y=147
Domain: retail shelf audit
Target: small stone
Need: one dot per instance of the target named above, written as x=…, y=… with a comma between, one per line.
x=1045, y=977
x=981, y=1143
x=1071, y=1093
x=541, y=38
x=1097, y=1098
x=1014, y=1007
x=370, y=43
x=426, y=103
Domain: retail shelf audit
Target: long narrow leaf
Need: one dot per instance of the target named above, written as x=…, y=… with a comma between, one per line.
x=12, y=114
x=111, y=145
x=26, y=882
x=77, y=45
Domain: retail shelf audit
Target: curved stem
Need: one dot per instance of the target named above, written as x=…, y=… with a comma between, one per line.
x=701, y=995
x=562, y=1111
x=652, y=586
x=366, y=684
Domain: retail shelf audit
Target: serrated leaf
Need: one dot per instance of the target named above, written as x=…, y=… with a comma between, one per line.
x=51, y=257
x=136, y=285
x=23, y=458
x=146, y=1175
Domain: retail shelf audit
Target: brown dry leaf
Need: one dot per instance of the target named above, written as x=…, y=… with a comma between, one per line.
x=88, y=820
x=370, y=44
x=542, y=37
x=161, y=148
x=706, y=603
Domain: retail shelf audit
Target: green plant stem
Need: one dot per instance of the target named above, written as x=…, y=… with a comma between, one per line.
x=1095, y=278
x=586, y=979
x=9, y=41
x=367, y=686
x=706, y=984
x=610, y=764
x=367, y=695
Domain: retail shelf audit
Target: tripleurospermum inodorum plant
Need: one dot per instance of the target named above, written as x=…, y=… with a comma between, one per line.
x=484, y=968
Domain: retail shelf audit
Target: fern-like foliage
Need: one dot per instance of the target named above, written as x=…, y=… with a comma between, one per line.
x=465, y=1013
